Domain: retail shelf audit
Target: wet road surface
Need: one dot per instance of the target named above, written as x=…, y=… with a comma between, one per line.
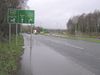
x=57, y=56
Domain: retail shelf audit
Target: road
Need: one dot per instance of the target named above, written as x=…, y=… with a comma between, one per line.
x=59, y=56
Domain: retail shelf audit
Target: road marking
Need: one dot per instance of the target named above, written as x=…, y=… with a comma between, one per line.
x=74, y=46
x=68, y=44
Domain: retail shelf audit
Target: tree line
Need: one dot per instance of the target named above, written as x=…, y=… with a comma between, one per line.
x=85, y=24
x=4, y=6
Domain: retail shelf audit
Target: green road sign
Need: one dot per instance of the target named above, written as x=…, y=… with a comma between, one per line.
x=16, y=16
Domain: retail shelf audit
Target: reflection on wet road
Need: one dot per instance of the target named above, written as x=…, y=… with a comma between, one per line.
x=51, y=56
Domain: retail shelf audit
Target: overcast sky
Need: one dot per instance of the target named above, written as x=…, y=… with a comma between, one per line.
x=55, y=13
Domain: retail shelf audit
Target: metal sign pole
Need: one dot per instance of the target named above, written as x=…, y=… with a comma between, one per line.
x=9, y=34
x=31, y=42
x=31, y=49
x=16, y=33
x=16, y=16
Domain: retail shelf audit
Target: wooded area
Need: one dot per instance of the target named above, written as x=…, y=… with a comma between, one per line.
x=4, y=6
x=85, y=24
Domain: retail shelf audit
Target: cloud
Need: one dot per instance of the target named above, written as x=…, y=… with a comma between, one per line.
x=55, y=13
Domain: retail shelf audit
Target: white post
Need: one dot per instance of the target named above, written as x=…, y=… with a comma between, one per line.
x=9, y=34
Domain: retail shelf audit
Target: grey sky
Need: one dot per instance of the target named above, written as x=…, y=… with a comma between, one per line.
x=55, y=13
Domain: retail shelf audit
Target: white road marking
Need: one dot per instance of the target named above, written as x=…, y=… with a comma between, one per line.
x=74, y=46
x=68, y=44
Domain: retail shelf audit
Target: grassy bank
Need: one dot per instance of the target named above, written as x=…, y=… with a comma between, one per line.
x=10, y=56
x=77, y=37
x=84, y=38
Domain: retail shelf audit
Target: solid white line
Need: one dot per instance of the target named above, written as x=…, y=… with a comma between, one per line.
x=74, y=46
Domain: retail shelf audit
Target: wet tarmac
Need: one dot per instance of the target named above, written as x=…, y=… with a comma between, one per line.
x=46, y=61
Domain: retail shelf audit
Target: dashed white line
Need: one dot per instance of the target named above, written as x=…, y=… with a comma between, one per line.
x=74, y=46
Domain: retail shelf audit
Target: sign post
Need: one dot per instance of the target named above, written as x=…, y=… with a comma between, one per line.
x=16, y=16
x=16, y=33
x=9, y=34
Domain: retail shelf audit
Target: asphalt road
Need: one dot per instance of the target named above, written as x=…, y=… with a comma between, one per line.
x=58, y=56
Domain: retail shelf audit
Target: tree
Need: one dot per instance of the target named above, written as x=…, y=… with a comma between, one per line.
x=4, y=6
x=85, y=23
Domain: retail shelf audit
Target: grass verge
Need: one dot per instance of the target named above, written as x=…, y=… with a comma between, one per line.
x=89, y=39
x=10, y=56
x=74, y=37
